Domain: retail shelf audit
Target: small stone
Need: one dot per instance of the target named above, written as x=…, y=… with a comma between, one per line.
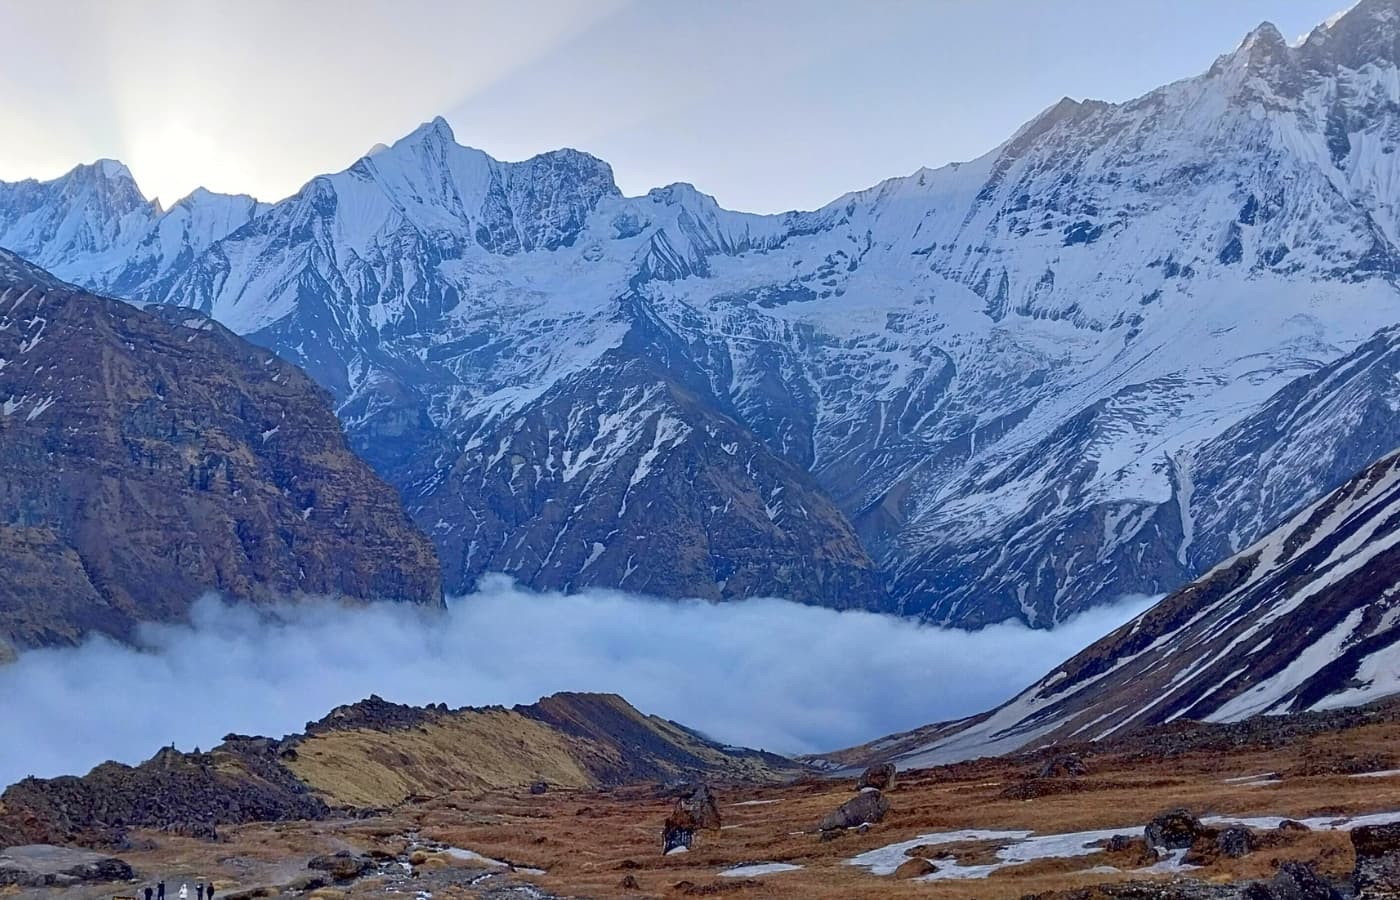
x=915, y=868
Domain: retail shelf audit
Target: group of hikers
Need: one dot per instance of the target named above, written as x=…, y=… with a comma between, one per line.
x=202, y=891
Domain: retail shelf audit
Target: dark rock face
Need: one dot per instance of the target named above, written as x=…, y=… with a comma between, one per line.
x=1377, y=872
x=152, y=457
x=880, y=777
x=1175, y=829
x=677, y=500
x=867, y=807
x=44, y=865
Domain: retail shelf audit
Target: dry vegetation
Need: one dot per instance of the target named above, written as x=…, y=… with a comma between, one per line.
x=589, y=840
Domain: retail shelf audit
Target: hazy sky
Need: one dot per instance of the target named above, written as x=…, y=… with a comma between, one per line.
x=768, y=104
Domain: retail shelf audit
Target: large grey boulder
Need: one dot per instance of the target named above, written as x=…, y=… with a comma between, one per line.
x=45, y=865
x=867, y=807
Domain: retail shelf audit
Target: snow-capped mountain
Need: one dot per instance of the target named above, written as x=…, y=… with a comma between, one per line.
x=997, y=382
x=1305, y=619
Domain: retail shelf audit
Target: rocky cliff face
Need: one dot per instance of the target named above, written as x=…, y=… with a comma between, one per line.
x=997, y=372
x=150, y=456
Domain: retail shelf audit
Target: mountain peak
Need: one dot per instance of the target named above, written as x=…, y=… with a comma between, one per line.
x=1367, y=33
x=435, y=131
x=113, y=168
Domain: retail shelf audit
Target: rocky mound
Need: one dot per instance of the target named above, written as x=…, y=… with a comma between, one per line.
x=369, y=755
x=154, y=455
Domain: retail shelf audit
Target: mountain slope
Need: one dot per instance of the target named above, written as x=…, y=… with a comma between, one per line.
x=153, y=455
x=375, y=754
x=997, y=372
x=1305, y=619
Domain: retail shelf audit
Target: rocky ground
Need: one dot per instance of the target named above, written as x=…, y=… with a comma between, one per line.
x=1067, y=824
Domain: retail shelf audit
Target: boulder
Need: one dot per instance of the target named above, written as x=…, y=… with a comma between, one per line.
x=538, y=787
x=1064, y=765
x=1377, y=872
x=45, y=865
x=1293, y=825
x=341, y=865
x=866, y=807
x=695, y=810
x=1235, y=842
x=1175, y=829
x=629, y=883
x=915, y=868
x=1294, y=881
x=880, y=777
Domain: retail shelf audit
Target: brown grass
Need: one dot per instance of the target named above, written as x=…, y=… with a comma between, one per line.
x=588, y=839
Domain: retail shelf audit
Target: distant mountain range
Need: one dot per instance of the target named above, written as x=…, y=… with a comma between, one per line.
x=1092, y=362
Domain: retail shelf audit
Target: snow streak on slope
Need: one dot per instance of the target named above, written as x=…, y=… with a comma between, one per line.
x=995, y=375
x=1307, y=618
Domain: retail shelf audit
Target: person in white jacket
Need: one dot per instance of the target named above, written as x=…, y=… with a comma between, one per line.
x=184, y=892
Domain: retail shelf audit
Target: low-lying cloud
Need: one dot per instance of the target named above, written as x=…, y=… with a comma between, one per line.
x=761, y=673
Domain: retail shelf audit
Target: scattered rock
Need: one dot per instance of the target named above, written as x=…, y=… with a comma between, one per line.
x=1118, y=843
x=629, y=883
x=1293, y=825
x=915, y=868
x=1064, y=765
x=45, y=865
x=1235, y=842
x=341, y=865
x=1294, y=881
x=417, y=858
x=538, y=787
x=1377, y=872
x=865, y=808
x=880, y=777
x=1175, y=829
x=629, y=864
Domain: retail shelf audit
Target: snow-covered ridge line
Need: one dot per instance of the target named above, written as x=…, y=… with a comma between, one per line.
x=1015, y=385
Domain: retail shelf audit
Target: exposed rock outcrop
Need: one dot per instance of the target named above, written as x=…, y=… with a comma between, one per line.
x=153, y=455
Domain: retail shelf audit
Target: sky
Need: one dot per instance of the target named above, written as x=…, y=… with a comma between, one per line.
x=769, y=674
x=767, y=104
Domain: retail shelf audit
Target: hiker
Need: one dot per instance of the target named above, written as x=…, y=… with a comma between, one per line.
x=160, y=890
x=149, y=892
x=184, y=892
x=199, y=890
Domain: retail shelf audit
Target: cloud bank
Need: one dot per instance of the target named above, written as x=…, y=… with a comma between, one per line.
x=761, y=673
